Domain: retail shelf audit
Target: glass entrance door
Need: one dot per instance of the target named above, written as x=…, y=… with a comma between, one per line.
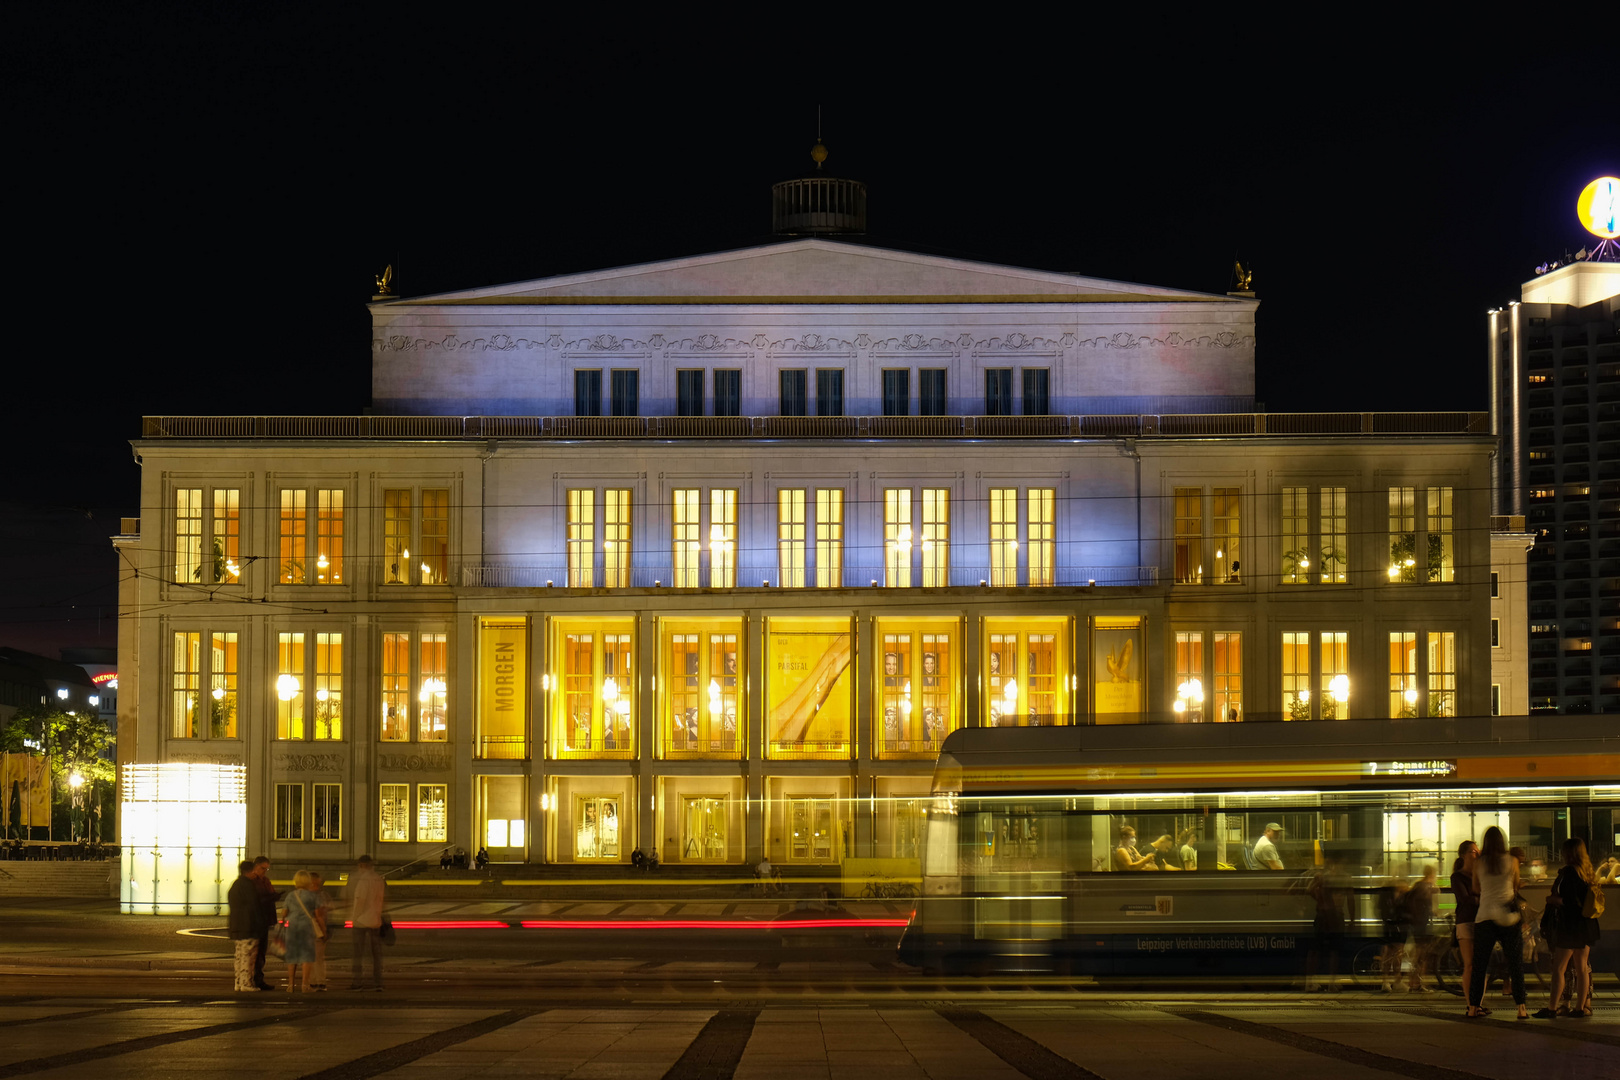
x=596, y=827
x=703, y=828
x=810, y=829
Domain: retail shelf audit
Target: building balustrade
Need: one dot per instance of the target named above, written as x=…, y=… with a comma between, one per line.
x=812, y=427
x=660, y=575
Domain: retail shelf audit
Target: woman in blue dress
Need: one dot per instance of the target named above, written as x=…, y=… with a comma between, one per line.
x=302, y=929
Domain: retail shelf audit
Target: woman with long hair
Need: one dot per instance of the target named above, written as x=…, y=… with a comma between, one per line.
x=1496, y=881
x=1462, y=891
x=1573, y=934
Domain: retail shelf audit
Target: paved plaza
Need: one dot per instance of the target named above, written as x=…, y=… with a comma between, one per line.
x=353, y=1037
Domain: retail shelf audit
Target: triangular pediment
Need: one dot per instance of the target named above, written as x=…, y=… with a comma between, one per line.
x=811, y=271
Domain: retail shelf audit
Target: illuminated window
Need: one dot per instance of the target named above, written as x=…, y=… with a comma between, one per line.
x=581, y=538
x=1442, y=559
x=207, y=545
x=703, y=685
x=432, y=817
x=1296, y=541
x=419, y=516
x=309, y=709
x=188, y=535
x=396, y=688
x=1225, y=521
x=917, y=681
x=616, y=538
x=1188, y=702
x=790, y=538
x=830, y=392
x=225, y=543
x=1228, y=677
x=829, y=538
x=1189, y=554
x=434, y=697
x=1026, y=672
x=722, y=538
x=1403, y=688
x=1334, y=675
x=1042, y=553
x=289, y=812
x=187, y=684
x=809, y=702
x=394, y=813
x=1442, y=674
x=294, y=537
x=688, y=538
x=1296, y=675
x=1333, y=537
x=1403, y=534
x=936, y=537
x=703, y=828
x=430, y=702
x=194, y=716
x=812, y=830
x=1036, y=382
x=897, y=537
x=1003, y=537
x=593, y=690
x=290, y=686
x=326, y=812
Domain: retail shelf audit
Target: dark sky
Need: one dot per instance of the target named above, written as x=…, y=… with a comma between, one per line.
x=200, y=197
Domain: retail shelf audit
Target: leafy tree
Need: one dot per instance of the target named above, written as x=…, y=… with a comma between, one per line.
x=77, y=742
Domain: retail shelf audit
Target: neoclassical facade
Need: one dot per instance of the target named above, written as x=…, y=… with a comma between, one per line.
x=706, y=557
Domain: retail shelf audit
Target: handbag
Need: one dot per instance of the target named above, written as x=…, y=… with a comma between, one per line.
x=276, y=941
x=1592, y=906
x=385, y=931
x=1549, y=922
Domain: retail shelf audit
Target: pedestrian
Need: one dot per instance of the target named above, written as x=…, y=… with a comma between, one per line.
x=1467, y=900
x=1496, y=880
x=1328, y=926
x=323, y=906
x=245, y=924
x=267, y=914
x=367, y=893
x=1573, y=931
x=302, y=932
x=1422, y=902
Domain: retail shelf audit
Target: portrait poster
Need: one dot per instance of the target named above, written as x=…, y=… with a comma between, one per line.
x=809, y=684
x=1118, y=661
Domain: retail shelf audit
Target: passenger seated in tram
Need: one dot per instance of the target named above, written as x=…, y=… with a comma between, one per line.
x=1265, y=849
x=1164, y=852
x=1126, y=857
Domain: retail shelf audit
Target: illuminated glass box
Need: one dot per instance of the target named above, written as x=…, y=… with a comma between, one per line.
x=184, y=832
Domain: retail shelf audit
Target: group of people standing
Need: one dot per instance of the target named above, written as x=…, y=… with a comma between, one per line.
x=302, y=918
x=1490, y=911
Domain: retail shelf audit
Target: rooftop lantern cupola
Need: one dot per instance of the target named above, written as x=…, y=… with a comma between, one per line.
x=818, y=204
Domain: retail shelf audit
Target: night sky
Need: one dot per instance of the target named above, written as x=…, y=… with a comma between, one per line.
x=200, y=199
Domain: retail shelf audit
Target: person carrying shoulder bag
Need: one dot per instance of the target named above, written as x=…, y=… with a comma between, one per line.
x=1575, y=903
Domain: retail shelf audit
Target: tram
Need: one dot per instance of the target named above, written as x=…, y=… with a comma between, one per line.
x=1027, y=863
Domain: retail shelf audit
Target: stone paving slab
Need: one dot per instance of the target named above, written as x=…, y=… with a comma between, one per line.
x=54, y=1037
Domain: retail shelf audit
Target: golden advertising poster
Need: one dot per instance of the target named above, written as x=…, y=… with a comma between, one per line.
x=503, y=687
x=1117, y=663
x=25, y=793
x=809, y=685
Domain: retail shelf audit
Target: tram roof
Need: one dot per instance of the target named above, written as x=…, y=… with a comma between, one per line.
x=1534, y=749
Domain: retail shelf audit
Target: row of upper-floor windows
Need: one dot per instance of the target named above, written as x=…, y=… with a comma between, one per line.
x=1028, y=672
x=601, y=539
x=718, y=392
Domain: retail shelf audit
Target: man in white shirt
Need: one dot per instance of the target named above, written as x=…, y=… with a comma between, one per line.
x=1265, y=849
x=367, y=894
